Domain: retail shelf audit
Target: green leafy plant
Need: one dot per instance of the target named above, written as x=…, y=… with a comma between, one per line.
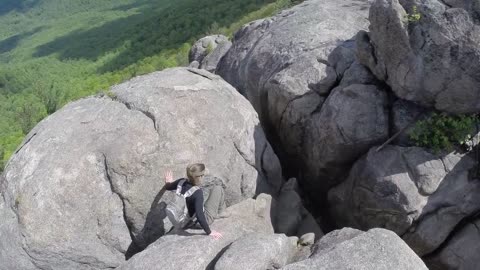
x=414, y=16
x=442, y=131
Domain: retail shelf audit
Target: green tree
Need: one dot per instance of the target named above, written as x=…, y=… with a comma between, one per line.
x=28, y=111
x=56, y=51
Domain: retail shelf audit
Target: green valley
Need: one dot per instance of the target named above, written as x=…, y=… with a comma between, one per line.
x=56, y=51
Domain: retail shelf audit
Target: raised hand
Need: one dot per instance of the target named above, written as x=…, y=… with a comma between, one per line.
x=216, y=235
x=168, y=176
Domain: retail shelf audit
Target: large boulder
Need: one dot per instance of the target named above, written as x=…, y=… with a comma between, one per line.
x=419, y=195
x=376, y=249
x=432, y=59
x=461, y=251
x=207, y=52
x=87, y=178
x=258, y=252
x=351, y=121
x=288, y=64
x=11, y=251
x=193, y=249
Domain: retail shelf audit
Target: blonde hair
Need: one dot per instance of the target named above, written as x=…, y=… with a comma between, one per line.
x=194, y=170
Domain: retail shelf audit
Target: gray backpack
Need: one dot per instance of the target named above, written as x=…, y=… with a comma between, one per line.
x=177, y=211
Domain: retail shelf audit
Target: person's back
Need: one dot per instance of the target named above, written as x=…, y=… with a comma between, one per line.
x=195, y=202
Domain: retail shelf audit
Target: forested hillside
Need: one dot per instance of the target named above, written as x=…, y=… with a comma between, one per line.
x=55, y=51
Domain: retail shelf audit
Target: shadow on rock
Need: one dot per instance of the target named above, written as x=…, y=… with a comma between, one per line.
x=154, y=227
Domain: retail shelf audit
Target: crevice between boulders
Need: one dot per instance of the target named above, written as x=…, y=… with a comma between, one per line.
x=279, y=125
x=323, y=61
x=211, y=265
x=426, y=215
x=121, y=197
x=460, y=226
x=261, y=160
x=329, y=92
x=244, y=157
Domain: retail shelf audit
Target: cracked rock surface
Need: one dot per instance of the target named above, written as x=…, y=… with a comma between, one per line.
x=461, y=251
x=419, y=195
x=193, y=250
x=432, y=60
x=287, y=65
x=376, y=249
x=83, y=183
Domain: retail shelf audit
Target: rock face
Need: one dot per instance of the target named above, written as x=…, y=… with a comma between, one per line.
x=10, y=240
x=377, y=249
x=432, y=60
x=420, y=196
x=241, y=248
x=248, y=242
x=258, y=252
x=207, y=52
x=291, y=217
x=351, y=120
x=461, y=252
x=404, y=116
x=288, y=64
x=88, y=177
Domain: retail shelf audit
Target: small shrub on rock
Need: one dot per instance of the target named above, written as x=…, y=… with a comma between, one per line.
x=414, y=16
x=442, y=131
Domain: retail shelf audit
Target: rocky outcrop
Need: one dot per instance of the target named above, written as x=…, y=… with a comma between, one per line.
x=351, y=120
x=432, y=59
x=86, y=185
x=376, y=249
x=207, y=52
x=86, y=180
x=248, y=242
x=258, y=252
x=461, y=251
x=420, y=196
x=287, y=66
x=195, y=250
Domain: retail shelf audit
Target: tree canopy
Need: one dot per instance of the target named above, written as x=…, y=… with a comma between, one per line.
x=56, y=51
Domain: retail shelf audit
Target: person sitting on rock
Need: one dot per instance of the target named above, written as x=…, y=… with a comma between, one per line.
x=206, y=211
